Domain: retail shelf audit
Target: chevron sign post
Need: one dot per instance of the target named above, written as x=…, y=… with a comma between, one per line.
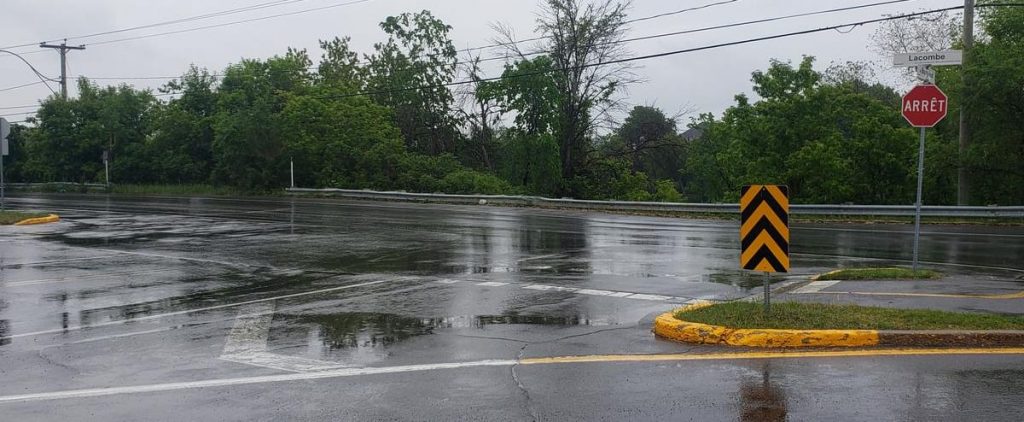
x=764, y=232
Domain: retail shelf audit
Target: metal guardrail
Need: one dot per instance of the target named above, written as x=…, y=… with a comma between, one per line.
x=54, y=184
x=536, y=201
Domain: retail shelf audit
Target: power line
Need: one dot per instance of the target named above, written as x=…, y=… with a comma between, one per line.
x=17, y=107
x=274, y=3
x=645, y=18
x=663, y=54
x=689, y=9
x=641, y=38
x=11, y=88
x=725, y=26
x=42, y=78
x=353, y=3
x=180, y=31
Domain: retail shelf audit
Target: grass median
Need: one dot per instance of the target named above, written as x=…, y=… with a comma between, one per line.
x=11, y=217
x=815, y=316
x=879, y=274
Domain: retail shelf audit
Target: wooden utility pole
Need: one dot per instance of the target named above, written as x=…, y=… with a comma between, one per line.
x=63, y=48
x=963, y=191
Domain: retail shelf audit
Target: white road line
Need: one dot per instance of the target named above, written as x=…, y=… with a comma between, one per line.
x=55, y=261
x=620, y=294
x=447, y=281
x=492, y=284
x=545, y=287
x=815, y=286
x=337, y=373
x=283, y=362
x=84, y=277
x=658, y=298
x=116, y=336
x=606, y=293
x=181, y=258
x=191, y=311
x=247, y=343
x=531, y=258
x=266, y=211
x=591, y=292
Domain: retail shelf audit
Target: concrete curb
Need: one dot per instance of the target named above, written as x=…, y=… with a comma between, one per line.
x=667, y=326
x=52, y=218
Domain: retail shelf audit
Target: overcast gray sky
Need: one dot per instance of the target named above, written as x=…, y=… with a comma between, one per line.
x=705, y=81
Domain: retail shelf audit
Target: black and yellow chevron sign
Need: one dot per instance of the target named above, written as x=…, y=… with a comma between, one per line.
x=764, y=228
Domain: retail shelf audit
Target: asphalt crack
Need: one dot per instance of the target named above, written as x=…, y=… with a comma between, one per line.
x=522, y=388
x=531, y=410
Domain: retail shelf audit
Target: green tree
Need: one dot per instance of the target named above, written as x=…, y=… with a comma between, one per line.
x=830, y=142
x=408, y=73
x=72, y=135
x=995, y=71
x=649, y=140
x=249, y=141
x=340, y=67
x=347, y=142
x=181, y=145
x=579, y=37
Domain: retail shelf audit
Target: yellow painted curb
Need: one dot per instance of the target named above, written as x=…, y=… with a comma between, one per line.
x=52, y=218
x=666, y=325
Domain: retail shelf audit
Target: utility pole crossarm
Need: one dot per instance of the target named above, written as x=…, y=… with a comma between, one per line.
x=63, y=48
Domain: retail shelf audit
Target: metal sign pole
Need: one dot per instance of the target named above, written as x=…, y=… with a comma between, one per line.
x=767, y=293
x=917, y=205
x=2, y=203
x=5, y=130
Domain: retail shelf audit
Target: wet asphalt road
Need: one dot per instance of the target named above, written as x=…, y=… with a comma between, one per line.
x=316, y=309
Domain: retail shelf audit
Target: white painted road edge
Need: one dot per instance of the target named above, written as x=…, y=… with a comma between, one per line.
x=337, y=373
x=815, y=287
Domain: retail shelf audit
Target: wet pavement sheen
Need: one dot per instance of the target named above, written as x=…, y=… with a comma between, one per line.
x=128, y=292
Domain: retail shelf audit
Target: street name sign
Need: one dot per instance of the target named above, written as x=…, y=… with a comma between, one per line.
x=925, y=106
x=933, y=58
x=764, y=228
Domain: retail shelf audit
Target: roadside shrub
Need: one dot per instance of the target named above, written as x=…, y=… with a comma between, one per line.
x=474, y=182
x=665, y=191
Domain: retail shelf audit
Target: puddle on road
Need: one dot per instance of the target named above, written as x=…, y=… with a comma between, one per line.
x=741, y=279
x=352, y=330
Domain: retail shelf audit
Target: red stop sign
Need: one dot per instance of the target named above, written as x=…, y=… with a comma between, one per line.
x=925, y=106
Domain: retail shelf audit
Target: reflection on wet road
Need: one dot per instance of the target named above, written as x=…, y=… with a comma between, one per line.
x=195, y=292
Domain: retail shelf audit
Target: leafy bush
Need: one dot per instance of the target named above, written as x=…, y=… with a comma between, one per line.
x=474, y=182
x=665, y=191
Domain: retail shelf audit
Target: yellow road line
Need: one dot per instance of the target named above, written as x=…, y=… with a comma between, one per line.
x=770, y=355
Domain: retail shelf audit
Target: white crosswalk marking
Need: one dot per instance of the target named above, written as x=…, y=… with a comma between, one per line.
x=247, y=343
x=816, y=286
